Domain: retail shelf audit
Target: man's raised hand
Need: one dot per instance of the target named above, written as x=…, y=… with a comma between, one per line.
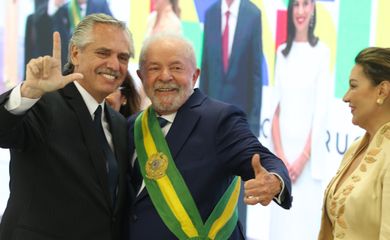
x=44, y=74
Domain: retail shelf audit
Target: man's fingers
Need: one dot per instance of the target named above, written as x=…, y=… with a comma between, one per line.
x=57, y=47
x=252, y=200
x=33, y=65
x=46, y=63
x=256, y=165
x=72, y=77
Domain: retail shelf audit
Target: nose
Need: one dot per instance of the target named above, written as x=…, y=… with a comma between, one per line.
x=300, y=9
x=346, y=97
x=113, y=62
x=165, y=75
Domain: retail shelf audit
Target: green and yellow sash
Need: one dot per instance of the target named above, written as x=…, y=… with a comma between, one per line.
x=170, y=194
x=74, y=14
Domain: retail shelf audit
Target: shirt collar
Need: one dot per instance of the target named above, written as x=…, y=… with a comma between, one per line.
x=233, y=8
x=169, y=117
x=91, y=103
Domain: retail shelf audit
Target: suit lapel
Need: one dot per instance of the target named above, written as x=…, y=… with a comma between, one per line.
x=241, y=30
x=216, y=36
x=91, y=140
x=184, y=123
x=119, y=143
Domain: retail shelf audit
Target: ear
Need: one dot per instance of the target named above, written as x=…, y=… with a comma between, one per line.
x=384, y=89
x=195, y=76
x=74, y=55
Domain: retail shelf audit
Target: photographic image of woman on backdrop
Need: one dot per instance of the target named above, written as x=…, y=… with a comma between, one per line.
x=303, y=88
x=164, y=18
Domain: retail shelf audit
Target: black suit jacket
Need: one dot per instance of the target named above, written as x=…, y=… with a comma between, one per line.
x=58, y=178
x=210, y=142
x=38, y=38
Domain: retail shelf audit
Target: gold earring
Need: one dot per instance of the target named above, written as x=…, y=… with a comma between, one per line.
x=379, y=101
x=123, y=104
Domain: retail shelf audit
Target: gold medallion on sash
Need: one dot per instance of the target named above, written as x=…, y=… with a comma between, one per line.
x=156, y=166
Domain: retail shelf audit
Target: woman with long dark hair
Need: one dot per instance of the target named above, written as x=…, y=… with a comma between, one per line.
x=303, y=90
x=126, y=99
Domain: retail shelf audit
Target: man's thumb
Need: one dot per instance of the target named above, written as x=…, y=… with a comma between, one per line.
x=256, y=165
x=72, y=77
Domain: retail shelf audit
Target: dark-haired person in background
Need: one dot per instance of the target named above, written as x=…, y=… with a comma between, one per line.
x=126, y=98
x=303, y=88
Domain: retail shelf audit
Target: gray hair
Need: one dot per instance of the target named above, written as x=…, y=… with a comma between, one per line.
x=82, y=33
x=187, y=47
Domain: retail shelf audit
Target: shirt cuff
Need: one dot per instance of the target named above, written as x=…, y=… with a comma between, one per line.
x=279, y=198
x=17, y=104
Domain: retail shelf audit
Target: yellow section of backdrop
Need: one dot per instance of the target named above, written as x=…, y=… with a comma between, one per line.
x=268, y=39
x=138, y=19
x=326, y=31
x=382, y=24
x=188, y=11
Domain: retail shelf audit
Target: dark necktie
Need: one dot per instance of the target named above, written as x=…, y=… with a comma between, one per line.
x=225, y=44
x=136, y=176
x=111, y=163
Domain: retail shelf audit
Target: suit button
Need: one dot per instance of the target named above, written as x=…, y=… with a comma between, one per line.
x=113, y=219
x=134, y=217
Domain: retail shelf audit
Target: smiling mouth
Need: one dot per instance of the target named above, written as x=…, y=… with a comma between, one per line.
x=300, y=20
x=109, y=76
x=165, y=89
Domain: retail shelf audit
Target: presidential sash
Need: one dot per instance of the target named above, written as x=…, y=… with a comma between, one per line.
x=170, y=194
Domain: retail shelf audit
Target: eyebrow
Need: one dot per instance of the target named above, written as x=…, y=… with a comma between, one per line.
x=352, y=80
x=110, y=50
x=176, y=62
x=102, y=49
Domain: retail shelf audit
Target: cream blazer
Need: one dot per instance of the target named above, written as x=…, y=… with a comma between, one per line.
x=360, y=208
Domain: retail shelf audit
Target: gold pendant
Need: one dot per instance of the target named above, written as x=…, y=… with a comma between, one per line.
x=156, y=166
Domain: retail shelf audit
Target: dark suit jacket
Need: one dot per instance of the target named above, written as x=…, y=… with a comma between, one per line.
x=39, y=34
x=58, y=178
x=210, y=142
x=242, y=84
x=61, y=22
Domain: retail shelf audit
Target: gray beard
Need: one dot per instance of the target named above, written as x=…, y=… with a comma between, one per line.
x=171, y=103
